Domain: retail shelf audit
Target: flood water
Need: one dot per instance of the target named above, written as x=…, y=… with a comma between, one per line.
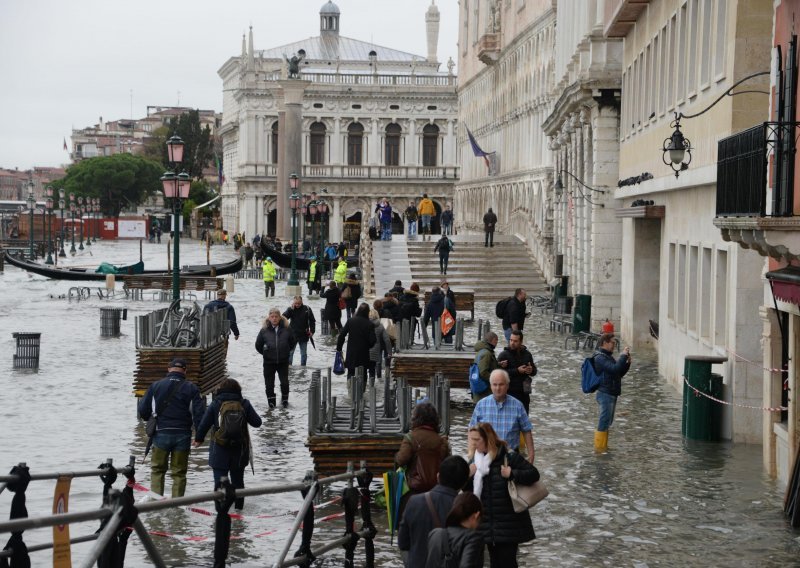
x=653, y=500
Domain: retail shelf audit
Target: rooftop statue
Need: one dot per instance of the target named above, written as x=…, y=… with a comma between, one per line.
x=294, y=64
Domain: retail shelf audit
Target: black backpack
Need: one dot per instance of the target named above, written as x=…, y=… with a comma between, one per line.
x=502, y=306
x=232, y=424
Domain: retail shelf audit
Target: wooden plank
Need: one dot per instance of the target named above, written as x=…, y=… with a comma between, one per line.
x=418, y=366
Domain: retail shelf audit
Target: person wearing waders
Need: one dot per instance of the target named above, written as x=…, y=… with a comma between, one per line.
x=610, y=372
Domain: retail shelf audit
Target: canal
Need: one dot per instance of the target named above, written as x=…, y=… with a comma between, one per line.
x=654, y=499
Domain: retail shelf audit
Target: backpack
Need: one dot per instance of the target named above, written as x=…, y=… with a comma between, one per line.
x=590, y=380
x=450, y=245
x=502, y=306
x=477, y=385
x=232, y=424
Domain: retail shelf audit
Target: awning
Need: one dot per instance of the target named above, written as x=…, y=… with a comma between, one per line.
x=786, y=284
x=206, y=203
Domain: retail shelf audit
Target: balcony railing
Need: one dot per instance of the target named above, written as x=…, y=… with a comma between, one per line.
x=363, y=172
x=751, y=161
x=372, y=79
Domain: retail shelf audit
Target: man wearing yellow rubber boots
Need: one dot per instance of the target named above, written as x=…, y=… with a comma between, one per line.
x=177, y=406
x=610, y=372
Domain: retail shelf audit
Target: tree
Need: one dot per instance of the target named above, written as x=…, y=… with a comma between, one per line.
x=198, y=149
x=120, y=180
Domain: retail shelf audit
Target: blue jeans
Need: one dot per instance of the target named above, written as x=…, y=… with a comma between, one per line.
x=507, y=334
x=426, y=224
x=412, y=228
x=386, y=231
x=608, y=403
x=447, y=229
x=303, y=345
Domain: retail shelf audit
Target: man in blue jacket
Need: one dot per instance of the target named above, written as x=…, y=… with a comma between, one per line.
x=221, y=303
x=178, y=407
x=610, y=372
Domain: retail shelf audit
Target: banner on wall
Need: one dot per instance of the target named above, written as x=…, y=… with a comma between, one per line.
x=131, y=229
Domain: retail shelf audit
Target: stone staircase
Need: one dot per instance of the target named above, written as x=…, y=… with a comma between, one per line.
x=491, y=273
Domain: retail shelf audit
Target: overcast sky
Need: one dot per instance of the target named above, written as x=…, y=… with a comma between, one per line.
x=65, y=63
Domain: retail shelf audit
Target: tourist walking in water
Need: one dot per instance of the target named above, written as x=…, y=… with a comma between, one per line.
x=433, y=310
x=333, y=311
x=611, y=372
x=314, y=277
x=360, y=335
x=383, y=344
x=427, y=511
x=275, y=342
x=486, y=359
x=514, y=313
x=229, y=448
x=492, y=466
x=303, y=325
x=489, y=222
x=177, y=406
x=269, y=270
x=351, y=292
x=458, y=543
x=221, y=303
x=518, y=363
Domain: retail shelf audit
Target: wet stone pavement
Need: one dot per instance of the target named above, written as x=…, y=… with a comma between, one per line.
x=653, y=500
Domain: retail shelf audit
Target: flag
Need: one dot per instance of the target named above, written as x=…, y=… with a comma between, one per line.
x=65, y=145
x=220, y=175
x=479, y=152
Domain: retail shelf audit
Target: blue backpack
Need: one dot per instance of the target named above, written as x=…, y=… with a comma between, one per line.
x=476, y=384
x=590, y=380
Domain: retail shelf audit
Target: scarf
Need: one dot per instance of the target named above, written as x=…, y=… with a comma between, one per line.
x=482, y=463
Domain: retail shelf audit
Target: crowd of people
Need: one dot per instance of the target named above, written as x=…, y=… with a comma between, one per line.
x=456, y=507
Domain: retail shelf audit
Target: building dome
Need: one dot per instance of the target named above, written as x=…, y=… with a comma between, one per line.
x=330, y=9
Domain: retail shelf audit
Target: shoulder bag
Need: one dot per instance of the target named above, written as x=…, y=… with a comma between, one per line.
x=523, y=497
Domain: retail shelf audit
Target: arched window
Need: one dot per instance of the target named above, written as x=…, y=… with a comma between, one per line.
x=275, y=142
x=355, y=144
x=430, y=142
x=393, y=144
x=317, y=156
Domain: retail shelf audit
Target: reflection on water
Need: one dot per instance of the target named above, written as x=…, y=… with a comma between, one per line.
x=655, y=499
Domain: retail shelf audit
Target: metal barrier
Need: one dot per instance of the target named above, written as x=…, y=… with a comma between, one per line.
x=27, y=355
x=109, y=321
x=181, y=327
x=118, y=513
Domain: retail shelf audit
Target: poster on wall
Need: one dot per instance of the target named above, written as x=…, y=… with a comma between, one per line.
x=108, y=225
x=131, y=229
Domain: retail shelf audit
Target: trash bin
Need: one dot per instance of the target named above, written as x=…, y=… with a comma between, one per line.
x=561, y=289
x=581, y=319
x=702, y=417
x=27, y=356
x=109, y=321
x=563, y=304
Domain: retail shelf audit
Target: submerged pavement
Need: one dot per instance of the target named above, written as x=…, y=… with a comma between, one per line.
x=654, y=499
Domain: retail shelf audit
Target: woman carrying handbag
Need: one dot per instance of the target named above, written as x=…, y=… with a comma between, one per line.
x=503, y=528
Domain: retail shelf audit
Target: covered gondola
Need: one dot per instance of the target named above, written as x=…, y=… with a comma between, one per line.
x=284, y=259
x=121, y=272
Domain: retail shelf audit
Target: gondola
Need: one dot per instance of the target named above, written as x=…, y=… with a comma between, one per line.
x=68, y=273
x=284, y=259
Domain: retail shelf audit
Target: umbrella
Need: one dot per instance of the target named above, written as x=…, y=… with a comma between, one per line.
x=147, y=449
x=394, y=487
x=311, y=338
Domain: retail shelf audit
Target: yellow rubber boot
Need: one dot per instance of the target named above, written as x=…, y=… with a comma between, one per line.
x=600, y=442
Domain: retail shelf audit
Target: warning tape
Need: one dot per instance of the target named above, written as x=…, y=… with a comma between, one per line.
x=764, y=408
x=746, y=360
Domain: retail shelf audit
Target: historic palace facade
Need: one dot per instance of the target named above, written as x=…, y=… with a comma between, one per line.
x=375, y=122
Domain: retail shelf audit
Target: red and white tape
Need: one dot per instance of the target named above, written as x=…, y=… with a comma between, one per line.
x=764, y=408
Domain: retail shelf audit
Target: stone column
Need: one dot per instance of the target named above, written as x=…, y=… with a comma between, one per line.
x=291, y=133
x=448, y=159
x=374, y=144
x=411, y=143
x=336, y=142
x=282, y=214
x=335, y=221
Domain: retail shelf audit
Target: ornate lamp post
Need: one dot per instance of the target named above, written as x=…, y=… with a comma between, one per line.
x=295, y=201
x=49, y=210
x=312, y=210
x=322, y=207
x=31, y=206
x=80, y=211
x=61, y=204
x=176, y=187
x=96, y=207
x=72, y=224
x=88, y=210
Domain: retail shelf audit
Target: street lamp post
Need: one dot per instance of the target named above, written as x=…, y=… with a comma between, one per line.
x=61, y=204
x=49, y=210
x=88, y=206
x=96, y=207
x=31, y=206
x=80, y=210
x=72, y=223
x=295, y=201
x=322, y=207
x=177, y=188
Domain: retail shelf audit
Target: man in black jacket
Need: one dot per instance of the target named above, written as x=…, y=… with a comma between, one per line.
x=303, y=325
x=518, y=362
x=362, y=337
x=221, y=303
x=418, y=519
x=275, y=341
x=489, y=222
x=514, y=315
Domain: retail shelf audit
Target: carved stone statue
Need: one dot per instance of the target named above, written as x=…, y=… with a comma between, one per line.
x=450, y=65
x=294, y=64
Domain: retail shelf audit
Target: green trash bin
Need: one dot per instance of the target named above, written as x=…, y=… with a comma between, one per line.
x=702, y=417
x=582, y=314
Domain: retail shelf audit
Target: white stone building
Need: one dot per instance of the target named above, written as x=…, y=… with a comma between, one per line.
x=375, y=122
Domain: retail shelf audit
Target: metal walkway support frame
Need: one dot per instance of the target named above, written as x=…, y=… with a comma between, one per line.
x=118, y=514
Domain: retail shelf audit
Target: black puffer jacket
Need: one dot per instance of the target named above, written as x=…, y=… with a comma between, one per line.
x=332, y=310
x=499, y=523
x=275, y=343
x=409, y=305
